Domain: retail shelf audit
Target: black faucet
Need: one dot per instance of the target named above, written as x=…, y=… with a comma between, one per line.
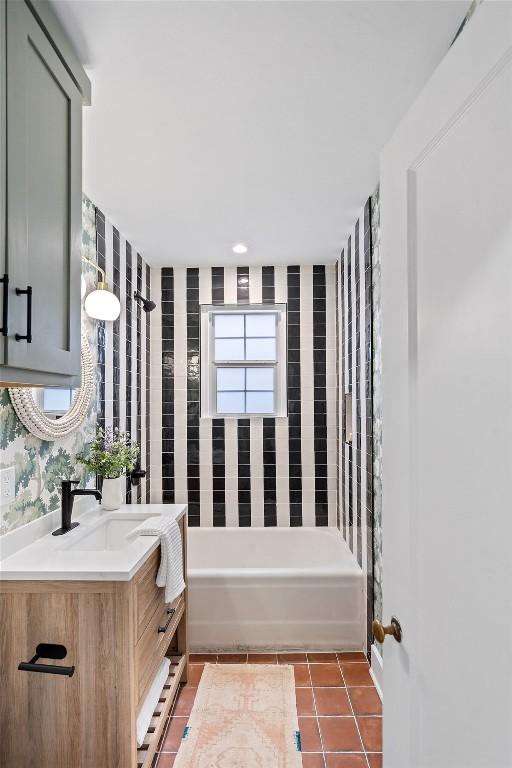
x=68, y=497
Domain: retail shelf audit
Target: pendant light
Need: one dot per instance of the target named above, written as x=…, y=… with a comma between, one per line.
x=101, y=304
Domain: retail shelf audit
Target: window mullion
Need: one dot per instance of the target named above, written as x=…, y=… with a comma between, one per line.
x=244, y=363
x=245, y=337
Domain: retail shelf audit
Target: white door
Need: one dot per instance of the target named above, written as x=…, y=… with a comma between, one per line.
x=446, y=195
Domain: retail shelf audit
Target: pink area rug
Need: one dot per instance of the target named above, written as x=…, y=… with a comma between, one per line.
x=244, y=716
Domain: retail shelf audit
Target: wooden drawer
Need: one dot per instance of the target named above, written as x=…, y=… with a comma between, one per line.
x=153, y=644
x=148, y=597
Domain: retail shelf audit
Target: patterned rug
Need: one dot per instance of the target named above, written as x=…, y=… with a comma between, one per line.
x=244, y=716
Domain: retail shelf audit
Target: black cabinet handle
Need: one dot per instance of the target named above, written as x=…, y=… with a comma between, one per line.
x=5, y=303
x=28, y=292
x=47, y=651
x=170, y=612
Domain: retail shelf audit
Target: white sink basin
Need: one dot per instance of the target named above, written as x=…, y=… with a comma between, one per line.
x=99, y=549
x=110, y=533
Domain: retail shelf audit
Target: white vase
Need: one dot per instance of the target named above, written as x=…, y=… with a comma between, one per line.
x=112, y=493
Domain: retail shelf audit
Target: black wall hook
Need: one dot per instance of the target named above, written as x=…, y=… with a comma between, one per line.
x=137, y=474
x=47, y=651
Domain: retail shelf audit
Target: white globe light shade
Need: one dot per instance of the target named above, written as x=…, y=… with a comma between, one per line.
x=102, y=304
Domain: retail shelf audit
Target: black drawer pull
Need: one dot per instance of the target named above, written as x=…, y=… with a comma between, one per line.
x=47, y=651
x=170, y=613
x=28, y=292
x=5, y=303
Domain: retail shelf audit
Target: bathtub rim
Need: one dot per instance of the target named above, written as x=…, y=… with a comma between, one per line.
x=279, y=574
x=346, y=566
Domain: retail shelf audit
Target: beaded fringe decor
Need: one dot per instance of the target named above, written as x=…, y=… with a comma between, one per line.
x=37, y=423
x=243, y=715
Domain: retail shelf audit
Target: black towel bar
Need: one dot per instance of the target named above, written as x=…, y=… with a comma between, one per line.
x=47, y=651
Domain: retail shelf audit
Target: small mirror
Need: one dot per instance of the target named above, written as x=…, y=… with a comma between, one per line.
x=54, y=412
x=54, y=402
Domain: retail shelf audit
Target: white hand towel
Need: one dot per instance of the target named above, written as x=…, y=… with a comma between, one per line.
x=170, y=572
x=151, y=701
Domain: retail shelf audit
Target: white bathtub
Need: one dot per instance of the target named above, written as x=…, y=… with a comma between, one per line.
x=273, y=588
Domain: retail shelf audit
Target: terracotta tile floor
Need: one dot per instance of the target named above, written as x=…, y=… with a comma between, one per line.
x=340, y=712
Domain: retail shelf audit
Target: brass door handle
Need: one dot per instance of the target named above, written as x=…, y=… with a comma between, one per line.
x=380, y=631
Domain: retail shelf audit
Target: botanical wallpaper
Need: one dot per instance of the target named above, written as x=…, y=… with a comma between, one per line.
x=41, y=465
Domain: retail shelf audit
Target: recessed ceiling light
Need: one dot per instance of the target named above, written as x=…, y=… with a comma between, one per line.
x=240, y=248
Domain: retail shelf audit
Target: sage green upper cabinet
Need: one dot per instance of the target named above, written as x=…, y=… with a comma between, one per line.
x=43, y=118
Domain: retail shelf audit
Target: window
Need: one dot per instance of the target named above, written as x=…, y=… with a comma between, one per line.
x=54, y=401
x=243, y=360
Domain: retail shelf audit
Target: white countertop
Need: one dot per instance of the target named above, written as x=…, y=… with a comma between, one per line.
x=63, y=558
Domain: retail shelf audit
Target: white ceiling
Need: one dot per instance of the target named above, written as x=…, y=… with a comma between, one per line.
x=216, y=122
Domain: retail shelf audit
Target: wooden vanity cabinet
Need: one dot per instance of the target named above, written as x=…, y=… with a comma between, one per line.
x=113, y=633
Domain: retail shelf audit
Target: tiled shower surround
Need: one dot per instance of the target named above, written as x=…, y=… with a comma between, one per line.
x=123, y=348
x=354, y=335
x=377, y=405
x=240, y=471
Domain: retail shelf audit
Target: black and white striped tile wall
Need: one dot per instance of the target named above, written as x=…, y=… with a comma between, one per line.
x=354, y=369
x=245, y=472
x=124, y=348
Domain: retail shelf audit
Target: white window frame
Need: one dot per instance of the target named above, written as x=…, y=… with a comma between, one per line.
x=209, y=365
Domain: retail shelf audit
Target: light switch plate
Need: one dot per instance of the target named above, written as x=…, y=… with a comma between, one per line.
x=7, y=484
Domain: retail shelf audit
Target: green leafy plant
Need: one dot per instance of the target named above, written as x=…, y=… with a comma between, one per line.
x=111, y=453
